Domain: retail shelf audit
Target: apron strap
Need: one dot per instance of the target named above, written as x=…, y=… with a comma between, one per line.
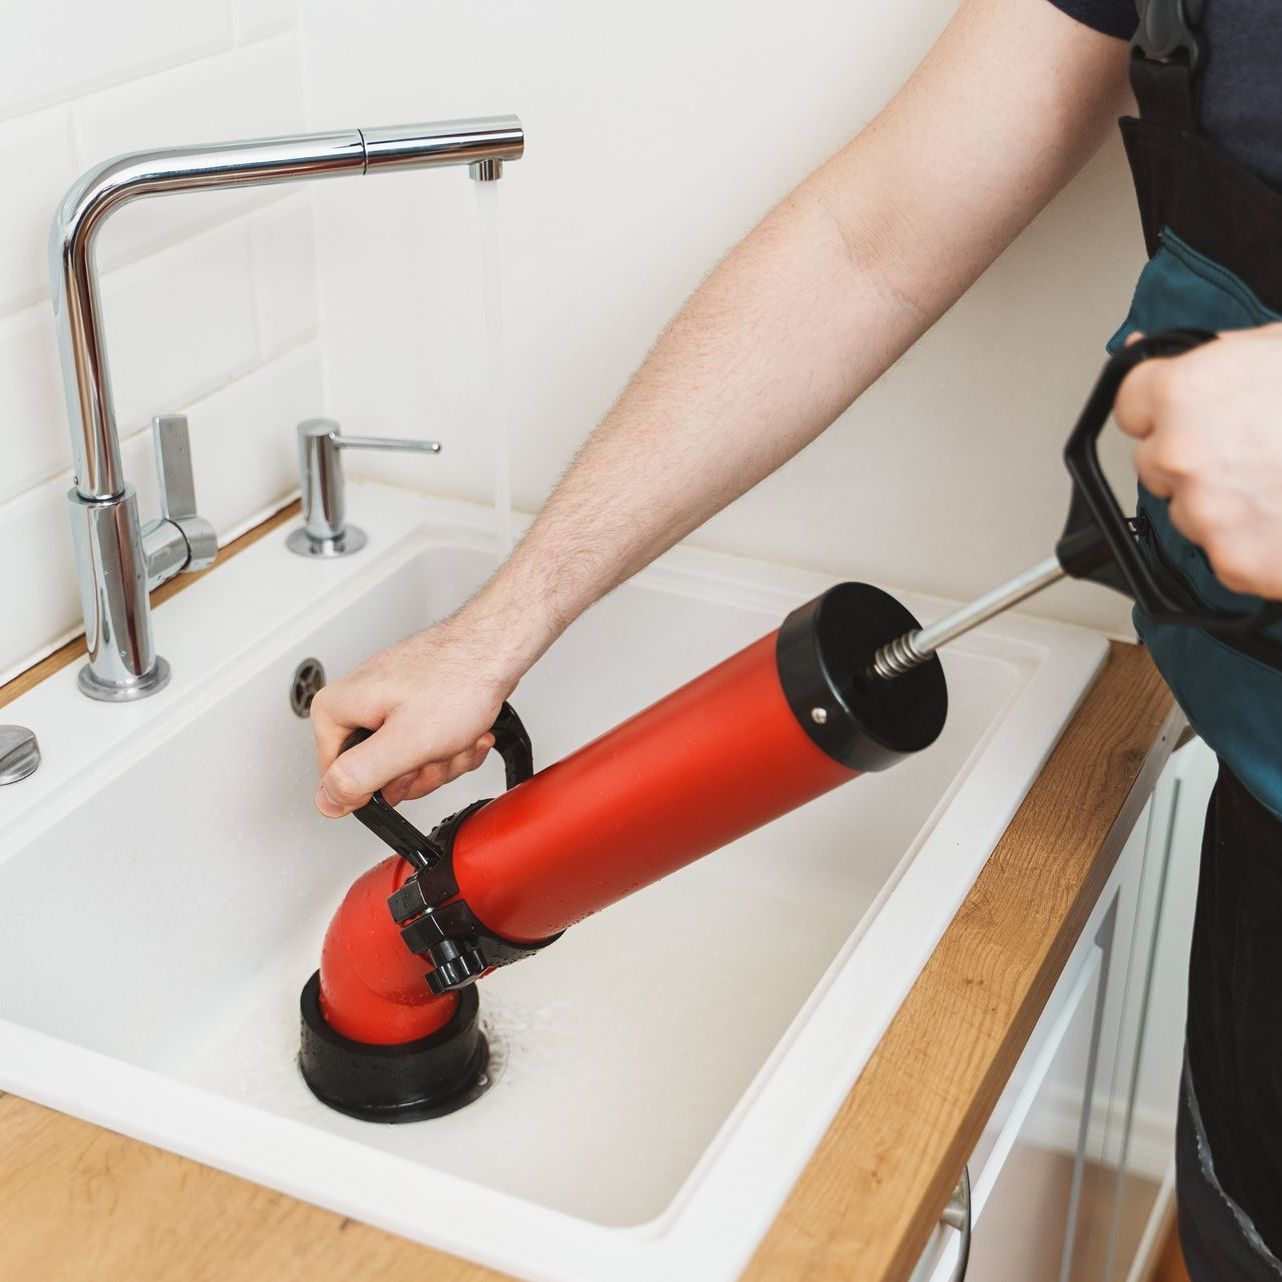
x=1168, y=53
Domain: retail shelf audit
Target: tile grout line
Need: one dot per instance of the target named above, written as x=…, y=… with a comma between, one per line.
x=143, y=72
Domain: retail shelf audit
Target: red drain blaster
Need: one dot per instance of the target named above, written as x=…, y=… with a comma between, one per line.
x=849, y=683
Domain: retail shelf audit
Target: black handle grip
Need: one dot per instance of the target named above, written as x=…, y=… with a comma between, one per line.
x=511, y=742
x=1099, y=542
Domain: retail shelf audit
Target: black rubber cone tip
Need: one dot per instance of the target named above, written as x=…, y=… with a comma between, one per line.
x=824, y=652
x=405, y=1082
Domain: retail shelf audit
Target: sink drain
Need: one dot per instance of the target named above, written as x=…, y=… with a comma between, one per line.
x=307, y=681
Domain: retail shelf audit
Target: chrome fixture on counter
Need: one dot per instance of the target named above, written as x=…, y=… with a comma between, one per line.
x=19, y=754
x=325, y=531
x=117, y=560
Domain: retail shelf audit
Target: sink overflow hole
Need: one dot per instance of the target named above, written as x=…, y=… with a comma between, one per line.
x=308, y=679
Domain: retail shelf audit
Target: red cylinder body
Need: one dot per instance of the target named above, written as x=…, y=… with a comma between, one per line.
x=715, y=759
x=710, y=762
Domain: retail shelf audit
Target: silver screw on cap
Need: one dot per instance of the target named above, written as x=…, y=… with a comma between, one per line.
x=819, y=716
x=19, y=753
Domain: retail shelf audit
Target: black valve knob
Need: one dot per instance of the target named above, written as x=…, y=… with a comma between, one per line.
x=454, y=967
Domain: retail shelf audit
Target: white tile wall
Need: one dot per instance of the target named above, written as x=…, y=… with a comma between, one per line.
x=209, y=300
x=39, y=158
x=60, y=49
x=284, y=261
x=192, y=304
x=31, y=401
x=254, y=19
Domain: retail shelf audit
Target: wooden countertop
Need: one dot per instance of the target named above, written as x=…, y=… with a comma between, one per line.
x=78, y=1202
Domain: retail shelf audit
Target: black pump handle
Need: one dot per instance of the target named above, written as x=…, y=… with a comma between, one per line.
x=1099, y=542
x=511, y=742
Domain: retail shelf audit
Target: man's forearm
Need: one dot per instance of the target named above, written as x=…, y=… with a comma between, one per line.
x=814, y=305
x=753, y=367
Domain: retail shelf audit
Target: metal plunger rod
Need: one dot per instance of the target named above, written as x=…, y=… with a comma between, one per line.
x=911, y=650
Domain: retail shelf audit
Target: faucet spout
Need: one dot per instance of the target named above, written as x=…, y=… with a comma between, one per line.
x=112, y=561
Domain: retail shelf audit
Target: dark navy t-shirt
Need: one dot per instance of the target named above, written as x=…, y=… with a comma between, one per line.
x=1242, y=86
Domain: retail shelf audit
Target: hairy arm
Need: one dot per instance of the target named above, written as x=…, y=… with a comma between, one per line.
x=807, y=311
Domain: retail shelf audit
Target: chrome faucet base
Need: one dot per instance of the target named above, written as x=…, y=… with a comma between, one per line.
x=107, y=538
x=121, y=560
x=352, y=539
x=136, y=688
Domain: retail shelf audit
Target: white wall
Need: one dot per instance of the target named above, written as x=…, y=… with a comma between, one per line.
x=209, y=300
x=657, y=135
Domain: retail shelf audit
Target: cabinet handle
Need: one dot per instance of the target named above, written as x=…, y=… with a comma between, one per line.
x=957, y=1216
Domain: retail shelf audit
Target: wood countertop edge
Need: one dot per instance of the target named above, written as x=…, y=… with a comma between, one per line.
x=77, y=1200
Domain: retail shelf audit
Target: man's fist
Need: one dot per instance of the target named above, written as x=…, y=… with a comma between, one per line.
x=430, y=700
x=1209, y=426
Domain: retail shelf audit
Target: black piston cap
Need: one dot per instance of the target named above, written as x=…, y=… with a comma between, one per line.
x=824, y=654
x=404, y=1082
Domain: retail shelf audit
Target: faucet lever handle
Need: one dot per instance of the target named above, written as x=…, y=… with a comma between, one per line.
x=173, y=466
x=178, y=489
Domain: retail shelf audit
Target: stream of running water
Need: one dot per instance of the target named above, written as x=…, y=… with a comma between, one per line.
x=495, y=374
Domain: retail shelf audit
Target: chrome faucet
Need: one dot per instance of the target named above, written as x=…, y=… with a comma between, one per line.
x=118, y=560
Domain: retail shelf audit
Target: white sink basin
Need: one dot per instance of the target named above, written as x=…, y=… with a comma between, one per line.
x=670, y=1064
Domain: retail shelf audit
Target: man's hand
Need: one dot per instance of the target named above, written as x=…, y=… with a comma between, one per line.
x=430, y=700
x=1209, y=425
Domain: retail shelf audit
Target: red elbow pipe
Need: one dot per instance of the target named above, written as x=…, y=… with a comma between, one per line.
x=371, y=985
x=783, y=721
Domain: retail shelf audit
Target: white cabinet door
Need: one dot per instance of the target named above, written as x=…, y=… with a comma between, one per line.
x=1141, y=1105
